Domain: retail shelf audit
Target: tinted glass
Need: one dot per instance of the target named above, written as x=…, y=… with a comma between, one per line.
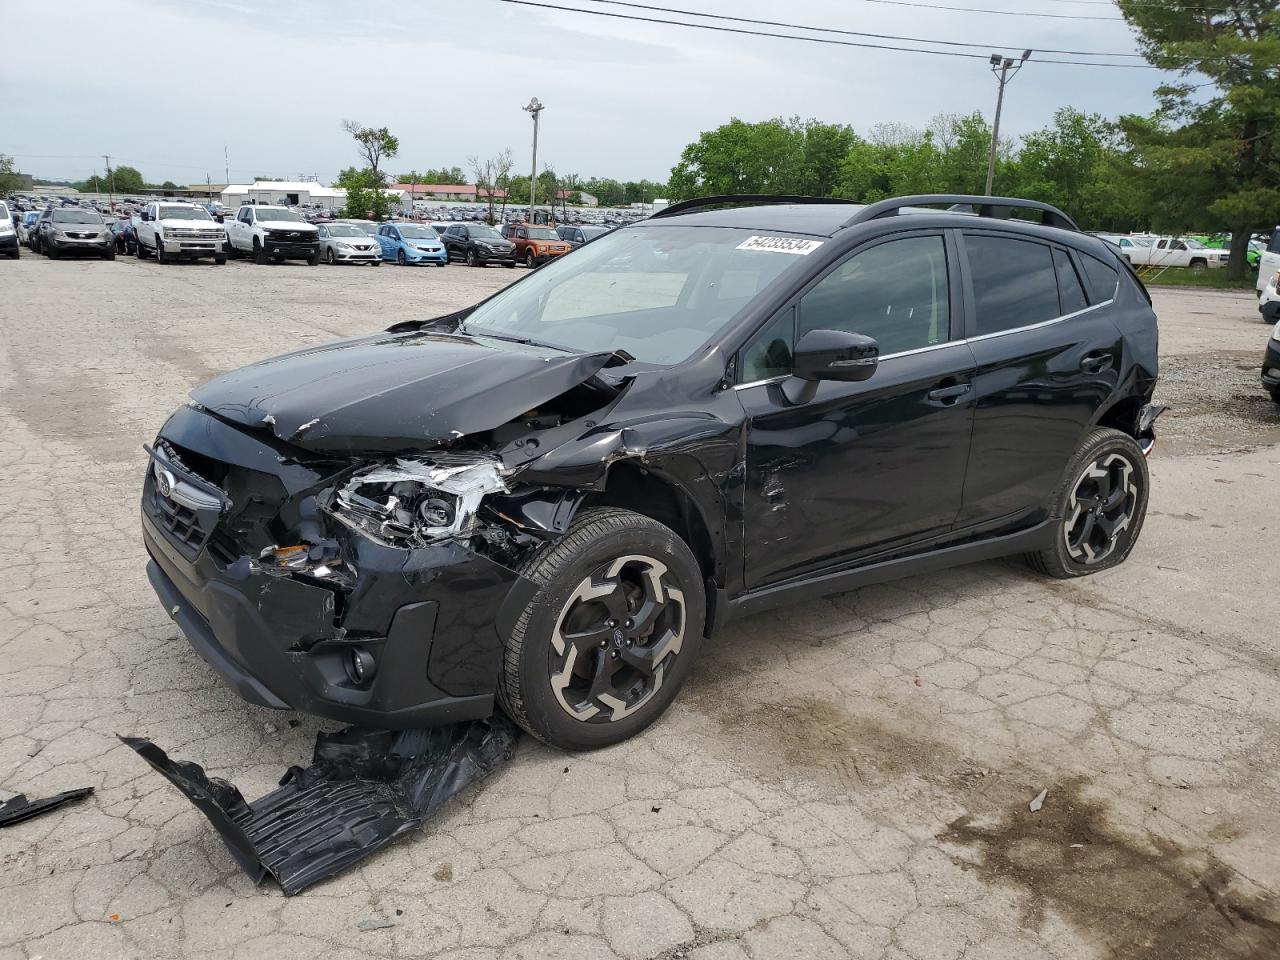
x=1070, y=291
x=343, y=230
x=1274, y=245
x=769, y=354
x=1014, y=284
x=278, y=213
x=184, y=213
x=76, y=216
x=1101, y=278
x=895, y=292
x=418, y=233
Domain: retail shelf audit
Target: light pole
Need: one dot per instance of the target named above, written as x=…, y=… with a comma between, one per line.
x=111, y=202
x=1004, y=65
x=534, y=108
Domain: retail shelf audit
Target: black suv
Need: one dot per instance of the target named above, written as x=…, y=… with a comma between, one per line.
x=547, y=501
x=478, y=244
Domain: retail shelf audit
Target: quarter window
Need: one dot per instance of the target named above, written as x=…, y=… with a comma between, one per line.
x=1014, y=284
x=1070, y=291
x=895, y=292
x=1101, y=278
x=769, y=354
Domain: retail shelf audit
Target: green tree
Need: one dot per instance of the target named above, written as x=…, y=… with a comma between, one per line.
x=444, y=175
x=374, y=144
x=366, y=197
x=9, y=179
x=125, y=179
x=610, y=193
x=1223, y=153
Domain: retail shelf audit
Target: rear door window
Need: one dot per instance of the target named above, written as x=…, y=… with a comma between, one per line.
x=1070, y=290
x=1274, y=245
x=1014, y=282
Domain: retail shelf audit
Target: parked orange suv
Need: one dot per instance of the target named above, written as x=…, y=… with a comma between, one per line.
x=535, y=245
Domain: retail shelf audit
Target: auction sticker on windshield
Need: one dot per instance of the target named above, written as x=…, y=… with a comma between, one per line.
x=781, y=245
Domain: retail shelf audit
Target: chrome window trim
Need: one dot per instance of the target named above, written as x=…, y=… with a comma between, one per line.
x=951, y=343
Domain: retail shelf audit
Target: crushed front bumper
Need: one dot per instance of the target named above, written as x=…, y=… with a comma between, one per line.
x=427, y=621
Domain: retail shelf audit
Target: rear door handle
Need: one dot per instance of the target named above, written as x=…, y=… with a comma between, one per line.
x=1096, y=362
x=946, y=396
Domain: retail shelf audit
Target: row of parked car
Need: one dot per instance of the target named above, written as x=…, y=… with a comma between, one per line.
x=261, y=232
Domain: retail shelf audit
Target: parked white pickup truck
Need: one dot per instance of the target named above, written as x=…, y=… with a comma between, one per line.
x=1176, y=252
x=269, y=232
x=174, y=231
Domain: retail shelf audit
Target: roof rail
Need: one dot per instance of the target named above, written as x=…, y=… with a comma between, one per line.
x=685, y=206
x=998, y=208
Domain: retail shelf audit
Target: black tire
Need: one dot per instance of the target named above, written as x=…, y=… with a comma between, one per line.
x=259, y=254
x=471, y=259
x=314, y=259
x=1275, y=394
x=50, y=252
x=529, y=260
x=1120, y=457
x=110, y=254
x=161, y=256
x=329, y=257
x=1199, y=266
x=400, y=260
x=229, y=249
x=598, y=539
x=16, y=254
x=511, y=265
x=220, y=258
x=140, y=250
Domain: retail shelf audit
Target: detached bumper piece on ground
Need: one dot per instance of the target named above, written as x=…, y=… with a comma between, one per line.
x=19, y=808
x=363, y=789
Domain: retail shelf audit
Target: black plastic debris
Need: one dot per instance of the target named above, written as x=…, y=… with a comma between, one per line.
x=19, y=808
x=363, y=789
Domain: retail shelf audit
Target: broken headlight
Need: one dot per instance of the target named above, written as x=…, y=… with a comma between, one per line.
x=419, y=500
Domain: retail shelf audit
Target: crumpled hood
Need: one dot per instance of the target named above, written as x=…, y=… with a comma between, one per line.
x=394, y=392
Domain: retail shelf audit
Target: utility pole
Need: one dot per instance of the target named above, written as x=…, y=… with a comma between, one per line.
x=111, y=197
x=1004, y=65
x=535, y=108
x=226, y=160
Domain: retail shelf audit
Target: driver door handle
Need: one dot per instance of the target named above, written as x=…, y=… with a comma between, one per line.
x=946, y=396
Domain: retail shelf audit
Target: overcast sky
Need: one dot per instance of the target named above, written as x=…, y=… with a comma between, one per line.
x=164, y=85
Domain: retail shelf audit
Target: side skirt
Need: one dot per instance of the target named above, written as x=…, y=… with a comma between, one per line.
x=777, y=595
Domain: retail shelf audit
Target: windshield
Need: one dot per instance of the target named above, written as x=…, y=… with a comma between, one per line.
x=418, y=233
x=76, y=216
x=344, y=230
x=482, y=231
x=659, y=293
x=278, y=213
x=184, y=213
x=542, y=233
x=368, y=227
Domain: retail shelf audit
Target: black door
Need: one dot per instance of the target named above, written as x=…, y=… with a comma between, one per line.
x=865, y=467
x=1047, y=360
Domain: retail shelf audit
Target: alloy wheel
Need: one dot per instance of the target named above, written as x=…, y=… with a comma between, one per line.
x=1101, y=508
x=617, y=634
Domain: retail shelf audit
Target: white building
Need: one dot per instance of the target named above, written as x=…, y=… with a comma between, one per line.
x=287, y=192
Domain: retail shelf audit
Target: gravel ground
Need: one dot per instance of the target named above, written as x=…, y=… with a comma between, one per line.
x=843, y=778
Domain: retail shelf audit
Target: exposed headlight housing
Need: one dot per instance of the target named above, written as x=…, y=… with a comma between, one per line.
x=418, y=501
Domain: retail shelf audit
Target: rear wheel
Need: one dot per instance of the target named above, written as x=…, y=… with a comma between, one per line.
x=609, y=637
x=1275, y=394
x=1098, y=508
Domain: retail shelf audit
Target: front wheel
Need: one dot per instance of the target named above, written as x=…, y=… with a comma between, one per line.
x=1275, y=394
x=329, y=257
x=400, y=257
x=1098, y=508
x=110, y=254
x=259, y=255
x=604, y=645
x=314, y=259
x=471, y=259
x=220, y=259
x=529, y=261
x=1199, y=266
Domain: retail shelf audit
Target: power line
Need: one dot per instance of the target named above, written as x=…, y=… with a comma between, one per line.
x=1000, y=13
x=824, y=40
x=858, y=33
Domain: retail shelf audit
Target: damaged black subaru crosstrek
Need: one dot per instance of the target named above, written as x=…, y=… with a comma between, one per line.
x=553, y=497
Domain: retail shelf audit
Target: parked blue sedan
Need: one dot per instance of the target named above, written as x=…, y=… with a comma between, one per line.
x=411, y=243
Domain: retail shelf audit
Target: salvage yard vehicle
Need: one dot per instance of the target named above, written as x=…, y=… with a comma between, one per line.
x=1271, y=365
x=347, y=243
x=1175, y=252
x=178, y=231
x=576, y=236
x=535, y=245
x=1269, y=299
x=478, y=244
x=74, y=230
x=1269, y=265
x=8, y=233
x=545, y=502
x=407, y=243
x=269, y=232
x=26, y=228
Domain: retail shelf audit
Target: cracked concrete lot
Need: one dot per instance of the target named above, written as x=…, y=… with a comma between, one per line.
x=845, y=778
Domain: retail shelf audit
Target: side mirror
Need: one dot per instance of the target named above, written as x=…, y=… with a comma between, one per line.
x=830, y=355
